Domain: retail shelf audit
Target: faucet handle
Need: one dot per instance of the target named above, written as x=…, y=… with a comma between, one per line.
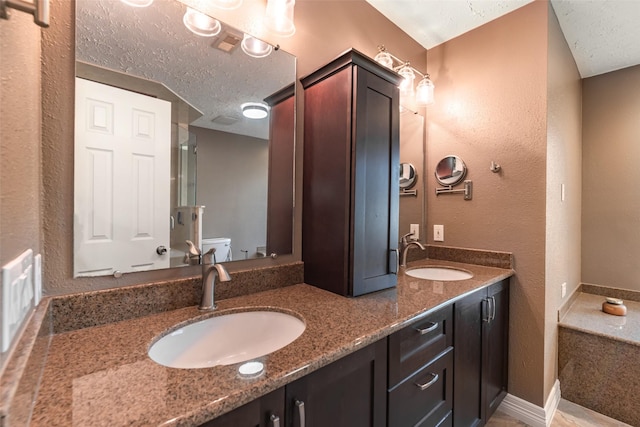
x=405, y=238
x=209, y=257
x=193, y=249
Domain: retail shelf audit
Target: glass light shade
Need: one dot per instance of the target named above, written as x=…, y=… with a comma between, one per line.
x=424, y=91
x=254, y=110
x=137, y=3
x=279, y=17
x=201, y=24
x=408, y=76
x=384, y=59
x=227, y=4
x=255, y=47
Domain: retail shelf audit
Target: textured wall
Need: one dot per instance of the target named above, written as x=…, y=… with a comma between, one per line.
x=19, y=137
x=611, y=207
x=564, y=166
x=324, y=30
x=491, y=105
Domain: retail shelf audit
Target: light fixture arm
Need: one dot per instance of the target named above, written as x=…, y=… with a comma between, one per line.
x=39, y=9
x=402, y=63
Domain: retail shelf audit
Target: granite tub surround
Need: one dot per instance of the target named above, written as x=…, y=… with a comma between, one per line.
x=21, y=376
x=624, y=294
x=598, y=357
x=102, y=375
x=87, y=309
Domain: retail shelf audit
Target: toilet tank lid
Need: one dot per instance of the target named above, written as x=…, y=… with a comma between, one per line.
x=214, y=240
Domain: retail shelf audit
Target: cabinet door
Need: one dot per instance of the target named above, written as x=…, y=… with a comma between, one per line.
x=267, y=411
x=496, y=346
x=467, y=388
x=350, y=392
x=375, y=169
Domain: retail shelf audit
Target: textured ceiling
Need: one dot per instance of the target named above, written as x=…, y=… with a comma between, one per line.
x=152, y=43
x=602, y=34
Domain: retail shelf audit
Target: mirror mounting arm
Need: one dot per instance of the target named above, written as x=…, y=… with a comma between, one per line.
x=467, y=190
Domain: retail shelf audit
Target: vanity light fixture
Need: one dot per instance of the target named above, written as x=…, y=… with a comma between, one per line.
x=255, y=47
x=424, y=93
x=254, y=110
x=201, y=24
x=137, y=3
x=227, y=4
x=279, y=17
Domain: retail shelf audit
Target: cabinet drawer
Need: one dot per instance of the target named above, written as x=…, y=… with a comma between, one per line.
x=417, y=344
x=425, y=398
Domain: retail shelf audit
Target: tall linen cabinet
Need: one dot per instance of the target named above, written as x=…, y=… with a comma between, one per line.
x=350, y=179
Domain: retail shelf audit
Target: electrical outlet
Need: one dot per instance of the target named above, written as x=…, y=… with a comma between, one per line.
x=438, y=233
x=563, y=290
x=18, y=296
x=414, y=229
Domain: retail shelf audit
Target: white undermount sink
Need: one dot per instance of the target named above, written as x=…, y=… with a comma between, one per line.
x=445, y=274
x=226, y=339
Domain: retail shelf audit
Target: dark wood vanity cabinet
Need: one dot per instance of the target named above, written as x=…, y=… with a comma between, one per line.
x=350, y=392
x=266, y=411
x=420, y=389
x=347, y=393
x=480, y=363
x=280, y=182
x=350, y=183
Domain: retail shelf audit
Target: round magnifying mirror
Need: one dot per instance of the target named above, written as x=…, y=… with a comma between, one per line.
x=450, y=170
x=408, y=176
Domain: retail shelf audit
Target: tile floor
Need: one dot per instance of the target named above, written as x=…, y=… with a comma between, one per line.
x=568, y=415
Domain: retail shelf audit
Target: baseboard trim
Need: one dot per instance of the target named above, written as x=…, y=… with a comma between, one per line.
x=531, y=414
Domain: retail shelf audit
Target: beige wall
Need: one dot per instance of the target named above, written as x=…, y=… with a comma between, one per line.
x=611, y=206
x=324, y=30
x=564, y=167
x=491, y=102
x=19, y=138
x=235, y=166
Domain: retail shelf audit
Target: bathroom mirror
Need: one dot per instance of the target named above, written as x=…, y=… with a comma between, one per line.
x=193, y=165
x=408, y=176
x=412, y=152
x=450, y=171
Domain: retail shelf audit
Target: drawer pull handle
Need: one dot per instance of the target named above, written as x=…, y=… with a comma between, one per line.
x=275, y=421
x=425, y=330
x=432, y=381
x=300, y=405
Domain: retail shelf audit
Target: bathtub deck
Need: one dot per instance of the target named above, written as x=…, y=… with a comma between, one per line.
x=598, y=357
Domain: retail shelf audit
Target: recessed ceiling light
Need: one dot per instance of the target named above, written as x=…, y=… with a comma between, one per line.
x=254, y=110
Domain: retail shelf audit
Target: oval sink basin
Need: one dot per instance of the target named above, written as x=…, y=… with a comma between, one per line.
x=226, y=339
x=439, y=273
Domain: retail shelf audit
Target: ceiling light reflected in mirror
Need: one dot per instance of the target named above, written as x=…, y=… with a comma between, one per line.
x=255, y=48
x=254, y=110
x=200, y=24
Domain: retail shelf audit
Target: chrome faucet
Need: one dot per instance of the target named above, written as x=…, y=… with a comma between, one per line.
x=209, y=272
x=405, y=243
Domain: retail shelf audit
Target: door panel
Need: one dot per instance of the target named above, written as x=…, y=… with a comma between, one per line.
x=121, y=183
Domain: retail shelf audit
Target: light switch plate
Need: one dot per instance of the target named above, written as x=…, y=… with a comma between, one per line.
x=18, y=296
x=415, y=229
x=438, y=233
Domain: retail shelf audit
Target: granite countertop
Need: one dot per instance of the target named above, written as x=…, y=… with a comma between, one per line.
x=586, y=315
x=102, y=376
